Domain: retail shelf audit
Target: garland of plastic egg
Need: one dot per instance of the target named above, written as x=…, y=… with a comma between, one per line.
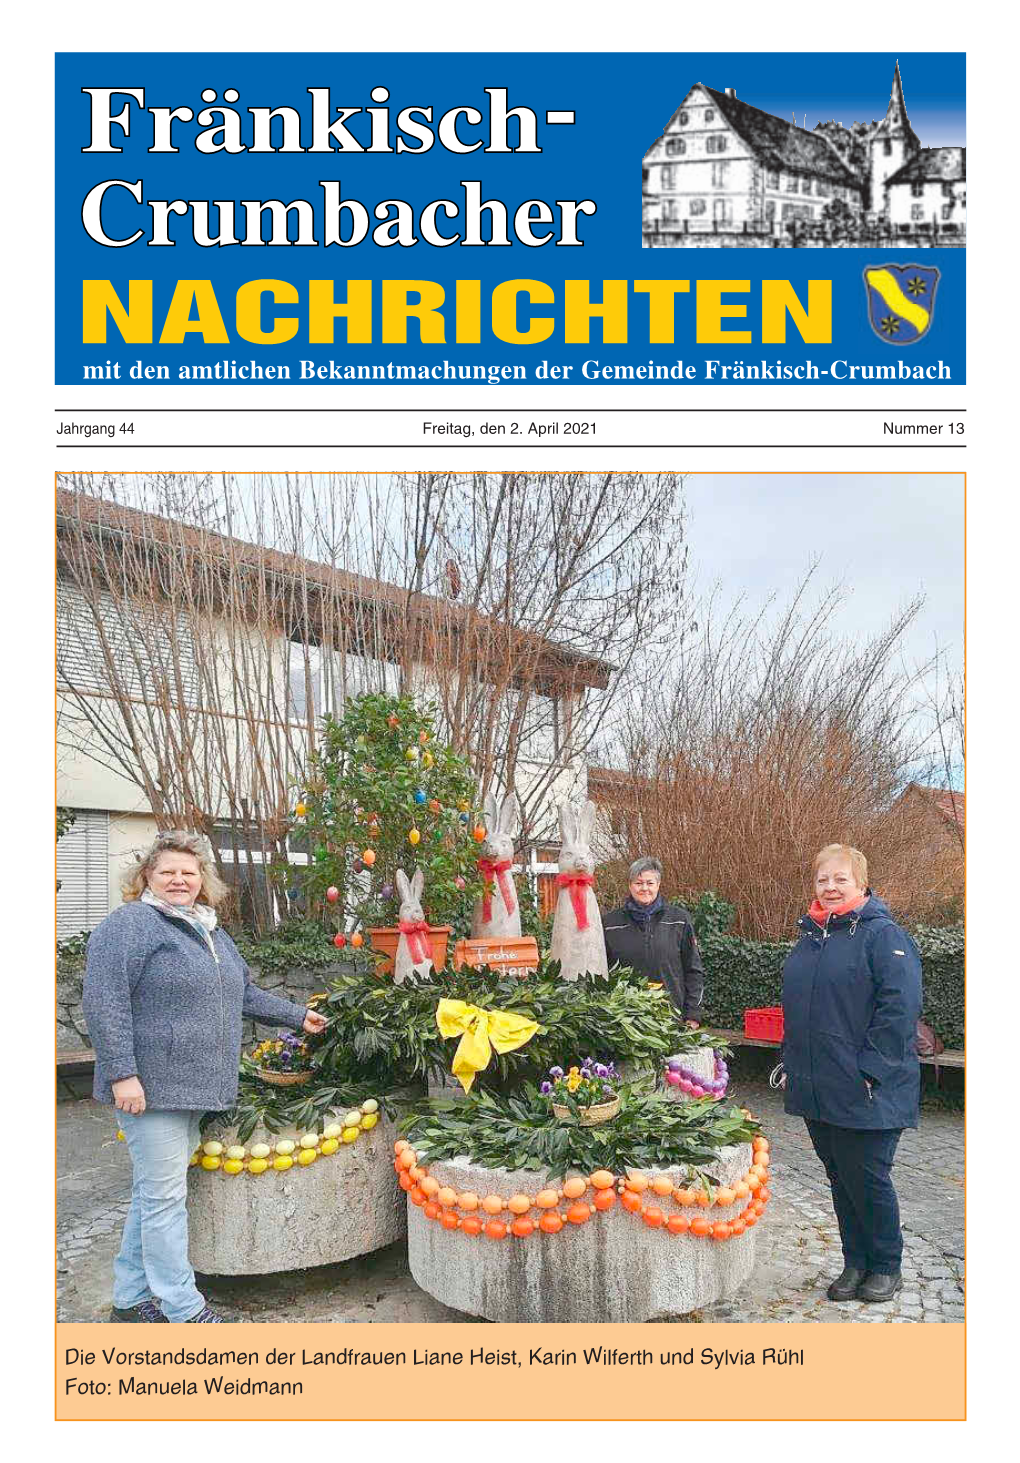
x=474, y=1215
x=284, y=1153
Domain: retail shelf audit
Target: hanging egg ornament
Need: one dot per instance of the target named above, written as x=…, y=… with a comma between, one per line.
x=438, y=835
x=358, y=866
x=427, y=759
x=460, y=882
x=393, y=720
x=332, y=894
x=386, y=892
x=463, y=805
x=300, y=810
x=423, y=737
x=293, y=894
x=368, y=857
x=357, y=939
x=435, y=805
x=464, y=818
x=339, y=940
x=419, y=795
x=414, y=837
x=412, y=754
x=479, y=833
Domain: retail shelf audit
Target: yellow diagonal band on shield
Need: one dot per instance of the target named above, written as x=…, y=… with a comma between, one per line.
x=483, y=1030
x=885, y=283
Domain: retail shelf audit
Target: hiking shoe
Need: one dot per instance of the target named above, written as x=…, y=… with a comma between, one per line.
x=205, y=1315
x=844, y=1287
x=876, y=1287
x=145, y=1310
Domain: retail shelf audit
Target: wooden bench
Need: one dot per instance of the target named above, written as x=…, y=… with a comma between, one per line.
x=947, y=1058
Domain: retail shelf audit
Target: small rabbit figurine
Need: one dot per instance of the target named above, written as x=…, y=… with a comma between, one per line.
x=497, y=915
x=577, y=939
x=413, y=958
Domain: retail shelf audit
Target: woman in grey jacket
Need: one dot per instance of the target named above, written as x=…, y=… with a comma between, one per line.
x=166, y=993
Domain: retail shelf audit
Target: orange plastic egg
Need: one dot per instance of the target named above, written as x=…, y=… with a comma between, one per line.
x=684, y=1197
x=631, y=1202
x=700, y=1225
x=724, y=1196
x=741, y=1190
x=750, y=1219
x=578, y=1214
x=467, y=1200
x=447, y=1197
x=678, y=1224
x=471, y=1226
x=737, y=1226
x=637, y=1183
x=574, y=1188
x=653, y=1217
x=449, y=1220
x=408, y=1158
x=662, y=1186
x=416, y=1196
x=429, y=1186
x=550, y=1223
x=720, y=1231
x=602, y=1179
x=492, y=1204
x=701, y=1199
x=495, y=1229
x=605, y=1199
x=406, y=1182
x=431, y=1210
x=519, y=1204
x=547, y=1199
x=521, y=1228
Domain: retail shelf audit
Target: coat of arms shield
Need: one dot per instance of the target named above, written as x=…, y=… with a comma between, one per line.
x=901, y=301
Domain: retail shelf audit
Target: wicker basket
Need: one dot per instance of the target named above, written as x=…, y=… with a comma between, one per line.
x=590, y=1117
x=284, y=1079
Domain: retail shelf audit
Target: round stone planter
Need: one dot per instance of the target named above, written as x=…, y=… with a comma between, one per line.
x=613, y=1268
x=344, y=1204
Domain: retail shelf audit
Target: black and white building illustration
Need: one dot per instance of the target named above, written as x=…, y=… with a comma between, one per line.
x=726, y=174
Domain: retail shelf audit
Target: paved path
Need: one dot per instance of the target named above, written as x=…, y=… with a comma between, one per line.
x=798, y=1246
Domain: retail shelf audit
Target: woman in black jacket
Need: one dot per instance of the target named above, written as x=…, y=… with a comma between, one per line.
x=657, y=939
x=851, y=1003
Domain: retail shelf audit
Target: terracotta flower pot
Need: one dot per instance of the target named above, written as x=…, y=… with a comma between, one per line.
x=384, y=940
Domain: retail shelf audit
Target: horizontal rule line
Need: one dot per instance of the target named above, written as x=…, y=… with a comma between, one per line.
x=570, y=411
x=492, y=446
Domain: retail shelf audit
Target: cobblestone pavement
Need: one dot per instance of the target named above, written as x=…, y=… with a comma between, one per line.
x=797, y=1251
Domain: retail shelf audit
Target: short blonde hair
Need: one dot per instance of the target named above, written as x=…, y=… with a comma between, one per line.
x=858, y=863
x=213, y=890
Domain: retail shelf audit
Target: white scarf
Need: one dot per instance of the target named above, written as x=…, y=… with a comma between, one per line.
x=202, y=915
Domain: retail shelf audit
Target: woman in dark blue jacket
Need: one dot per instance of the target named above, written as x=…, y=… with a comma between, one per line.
x=851, y=1003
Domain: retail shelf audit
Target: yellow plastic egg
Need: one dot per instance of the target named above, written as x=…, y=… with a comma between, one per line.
x=232, y=1165
x=333, y=1130
x=213, y=1149
x=283, y=1161
x=260, y=1150
x=300, y=810
x=285, y=1146
x=307, y=1156
x=258, y=1165
x=328, y=1145
x=352, y=1119
x=412, y=754
x=193, y=1160
x=414, y=837
x=370, y=1105
x=309, y=1140
x=350, y=1135
x=369, y=1121
x=235, y=1151
x=210, y=1161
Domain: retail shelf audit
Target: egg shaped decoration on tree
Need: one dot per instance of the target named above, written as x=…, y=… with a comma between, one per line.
x=367, y=772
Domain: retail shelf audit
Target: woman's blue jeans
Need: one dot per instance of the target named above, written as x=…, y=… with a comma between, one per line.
x=153, y=1259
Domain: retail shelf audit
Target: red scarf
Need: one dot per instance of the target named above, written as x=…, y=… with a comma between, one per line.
x=577, y=884
x=416, y=930
x=820, y=913
x=491, y=871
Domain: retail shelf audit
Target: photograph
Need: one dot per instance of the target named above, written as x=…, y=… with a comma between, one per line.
x=511, y=896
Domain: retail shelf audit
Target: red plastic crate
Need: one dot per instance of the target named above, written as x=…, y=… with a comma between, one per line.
x=766, y=1023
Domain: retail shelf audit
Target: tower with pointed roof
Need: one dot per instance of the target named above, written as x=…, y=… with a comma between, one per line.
x=893, y=144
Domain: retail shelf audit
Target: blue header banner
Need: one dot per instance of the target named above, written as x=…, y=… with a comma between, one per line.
x=341, y=219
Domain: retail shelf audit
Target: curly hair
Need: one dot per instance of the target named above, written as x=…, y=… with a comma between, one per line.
x=213, y=890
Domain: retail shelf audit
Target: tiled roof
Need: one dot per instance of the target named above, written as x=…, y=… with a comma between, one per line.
x=949, y=804
x=782, y=145
x=933, y=164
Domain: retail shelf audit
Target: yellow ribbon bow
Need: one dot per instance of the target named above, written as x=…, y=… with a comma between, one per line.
x=482, y=1030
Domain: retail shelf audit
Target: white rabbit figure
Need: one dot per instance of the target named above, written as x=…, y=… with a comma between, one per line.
x=413, y=957
x=577, y=939
x=497, y=915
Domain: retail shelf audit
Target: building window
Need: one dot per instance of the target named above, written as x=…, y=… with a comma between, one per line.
x=770, y=209
x=715, y=144
x=720, y=175
x=698, y=207
x=791, y=183
x=669, y=208
x=772, y=178
x=722, y=211
x=667, y=183
x=947, y=190
x=675, y=146
x=917, y=190
x=822, y=188
x=685, y=117
x=83, y=873
x=917, y=212
x=947, y=211
x=805, y=186
x=887, y=148
x=709, y=115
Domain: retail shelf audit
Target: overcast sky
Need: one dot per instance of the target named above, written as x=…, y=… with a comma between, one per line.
x=885, y=536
